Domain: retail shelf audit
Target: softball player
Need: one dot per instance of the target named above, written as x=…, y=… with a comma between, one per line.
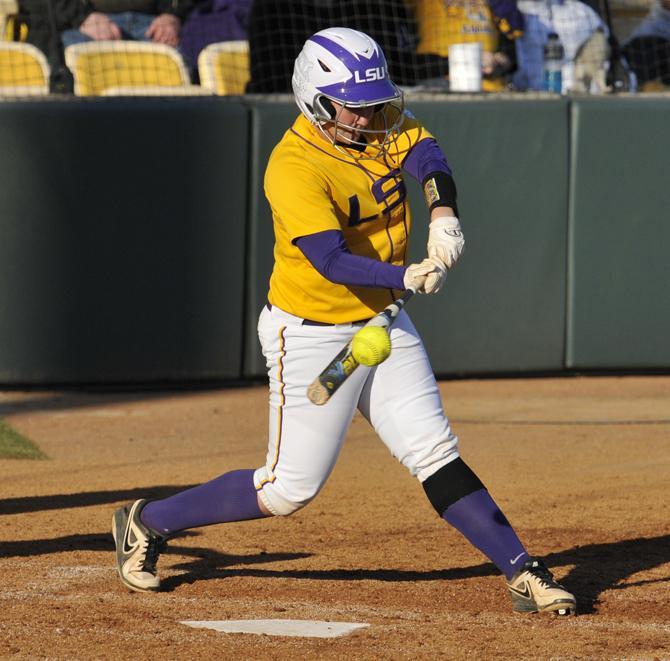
x=341, y=224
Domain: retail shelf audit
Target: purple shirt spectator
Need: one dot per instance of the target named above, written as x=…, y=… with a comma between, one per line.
x=212, y=21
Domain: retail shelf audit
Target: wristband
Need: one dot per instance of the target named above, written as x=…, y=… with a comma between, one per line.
x=439, y=190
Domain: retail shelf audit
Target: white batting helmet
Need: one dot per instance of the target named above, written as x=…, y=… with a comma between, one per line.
x=348, y=67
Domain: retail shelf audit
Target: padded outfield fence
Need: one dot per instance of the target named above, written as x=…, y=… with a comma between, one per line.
x=136, y=244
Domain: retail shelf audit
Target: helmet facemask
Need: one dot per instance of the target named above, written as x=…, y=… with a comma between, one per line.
x=371, y=141
x=347, y=67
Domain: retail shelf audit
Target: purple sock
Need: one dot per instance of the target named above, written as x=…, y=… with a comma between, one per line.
x=480, y=520
x=230, y=497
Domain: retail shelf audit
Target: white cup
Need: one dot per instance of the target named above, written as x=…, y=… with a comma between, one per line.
x=465, y=67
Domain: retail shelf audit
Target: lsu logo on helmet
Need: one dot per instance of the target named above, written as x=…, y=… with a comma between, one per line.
x=370, y=75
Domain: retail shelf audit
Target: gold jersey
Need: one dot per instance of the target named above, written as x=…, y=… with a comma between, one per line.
x=312, y=186
x=443, y=23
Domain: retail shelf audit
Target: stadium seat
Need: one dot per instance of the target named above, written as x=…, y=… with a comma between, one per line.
x=100, y=65
x=24, y=70
x=224, y=67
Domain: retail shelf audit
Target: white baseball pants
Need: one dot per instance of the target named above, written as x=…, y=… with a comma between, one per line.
x=399, y=398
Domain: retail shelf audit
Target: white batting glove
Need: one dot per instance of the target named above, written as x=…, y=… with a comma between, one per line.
x=426, y=277
x=435, y=279
x=445, y=240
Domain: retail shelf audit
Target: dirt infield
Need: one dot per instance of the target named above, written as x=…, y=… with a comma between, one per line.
x=581, y=467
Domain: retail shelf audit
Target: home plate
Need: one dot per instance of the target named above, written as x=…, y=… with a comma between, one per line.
x=302, y=628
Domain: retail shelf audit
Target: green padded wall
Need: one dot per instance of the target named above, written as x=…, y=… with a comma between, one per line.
x=619, y=294
x=503, y=308
x=136, y=242
x=121, y=238
x=269, y=122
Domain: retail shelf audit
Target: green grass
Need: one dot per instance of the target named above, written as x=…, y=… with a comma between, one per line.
x=15, y=446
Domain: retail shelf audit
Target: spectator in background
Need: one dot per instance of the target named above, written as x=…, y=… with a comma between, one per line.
x=495, y=24
x=393, y=25
x=279, y=28
x=159, y=21
x=277, y=31
x=648, y=49
x=213, y=21
x=36, y=19
x=44, y=21
x=574, y=22
x=54, y=24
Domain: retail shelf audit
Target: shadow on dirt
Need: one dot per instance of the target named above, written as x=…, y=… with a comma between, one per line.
x=597, y=568
x=206, y=559
x=211, y=569
x=85, y=499
x=54, y=402
x=601, y=567
x=81, y=397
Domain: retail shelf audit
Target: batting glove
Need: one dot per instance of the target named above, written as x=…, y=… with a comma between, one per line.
x=445, y=240
x=435, y=279
x=426, y=277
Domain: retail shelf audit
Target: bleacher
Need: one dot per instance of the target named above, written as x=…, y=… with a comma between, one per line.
x=35, y=63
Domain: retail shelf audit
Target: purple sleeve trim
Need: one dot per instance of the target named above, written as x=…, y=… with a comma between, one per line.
x=425, y=157
x=329, y=255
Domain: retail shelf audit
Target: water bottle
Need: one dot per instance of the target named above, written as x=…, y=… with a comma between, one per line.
x=553, y=64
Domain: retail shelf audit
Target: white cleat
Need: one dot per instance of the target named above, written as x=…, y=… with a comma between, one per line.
x=137, y=549
x=533, y=589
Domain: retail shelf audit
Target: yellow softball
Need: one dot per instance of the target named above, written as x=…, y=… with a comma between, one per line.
x=371, y=345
